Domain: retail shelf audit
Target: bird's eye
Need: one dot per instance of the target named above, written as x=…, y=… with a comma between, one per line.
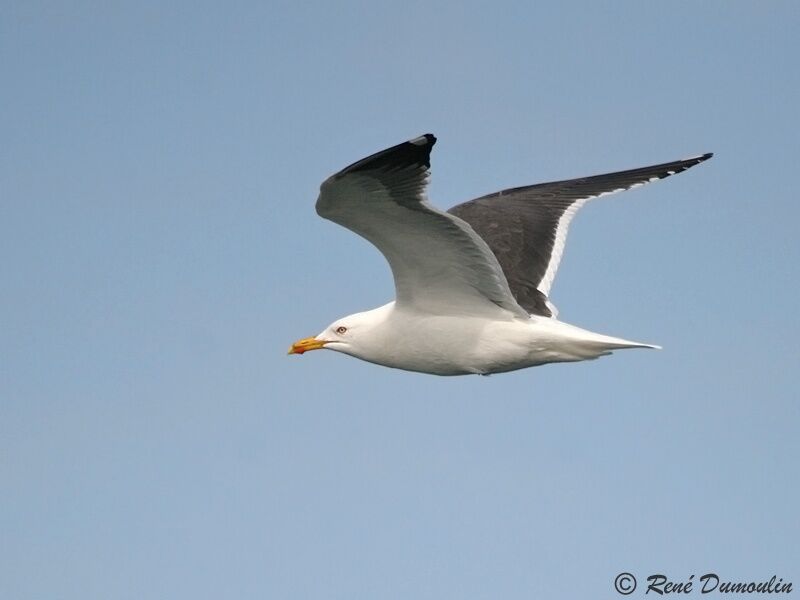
x=341, y=329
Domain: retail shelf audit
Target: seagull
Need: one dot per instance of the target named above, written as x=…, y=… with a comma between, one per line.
x=472, y=284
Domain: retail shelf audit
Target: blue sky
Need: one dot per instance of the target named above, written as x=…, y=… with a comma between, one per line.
x=158, y=171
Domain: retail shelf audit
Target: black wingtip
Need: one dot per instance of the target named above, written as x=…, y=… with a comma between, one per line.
x=414, y=152
x=426, y=139
x=699, y=158
x=690, y=162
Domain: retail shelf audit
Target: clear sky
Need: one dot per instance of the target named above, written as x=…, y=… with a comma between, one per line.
x=158, y=173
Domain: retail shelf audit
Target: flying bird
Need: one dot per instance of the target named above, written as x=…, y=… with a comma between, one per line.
x=473, y=283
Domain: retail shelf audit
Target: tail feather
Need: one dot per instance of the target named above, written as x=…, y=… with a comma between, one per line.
x=575, y=343
x=613, y=343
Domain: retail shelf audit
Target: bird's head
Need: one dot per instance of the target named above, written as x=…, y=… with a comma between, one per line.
x=349, y=335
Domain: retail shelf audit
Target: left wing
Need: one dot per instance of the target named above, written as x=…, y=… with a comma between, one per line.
x=440, y=265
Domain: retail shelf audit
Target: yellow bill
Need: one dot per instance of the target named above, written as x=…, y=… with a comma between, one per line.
x=305, y=345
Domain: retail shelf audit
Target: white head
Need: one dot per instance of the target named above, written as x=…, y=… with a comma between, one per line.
x=354, y=335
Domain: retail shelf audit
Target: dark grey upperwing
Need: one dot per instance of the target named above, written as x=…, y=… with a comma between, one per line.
x=526, y=227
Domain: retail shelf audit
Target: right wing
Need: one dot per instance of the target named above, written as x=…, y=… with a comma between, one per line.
x=526, y=227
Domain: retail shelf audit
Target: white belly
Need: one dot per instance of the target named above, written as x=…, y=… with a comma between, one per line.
x=458, y=345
